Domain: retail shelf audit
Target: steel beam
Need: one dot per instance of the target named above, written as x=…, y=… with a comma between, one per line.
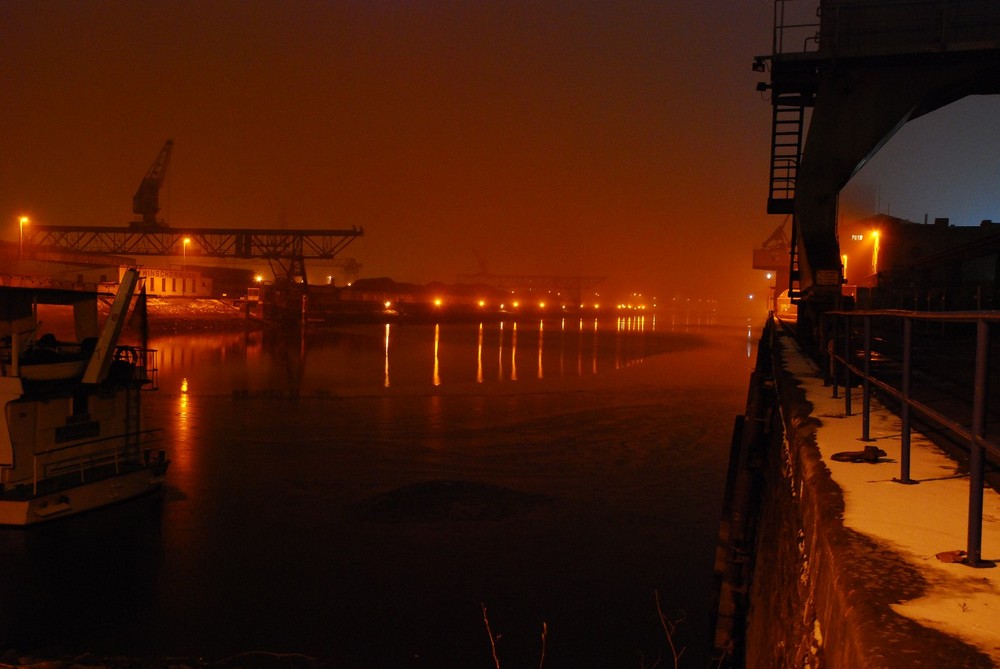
x=246, y=244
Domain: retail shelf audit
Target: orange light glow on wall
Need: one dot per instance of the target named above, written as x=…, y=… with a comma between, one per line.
x=875, y=249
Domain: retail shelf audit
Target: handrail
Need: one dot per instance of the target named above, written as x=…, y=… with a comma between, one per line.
x=91, y=442
x=865, y=27
x=840, y=348
x=806, y=29
x=132, y=440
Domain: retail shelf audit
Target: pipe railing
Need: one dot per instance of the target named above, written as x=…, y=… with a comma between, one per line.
x=843, y=366
x=860, y=27
x=88, y=455
x=796, y=26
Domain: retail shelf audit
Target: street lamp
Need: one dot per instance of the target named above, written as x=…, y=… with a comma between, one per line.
x=23, y=221
x=184, y=254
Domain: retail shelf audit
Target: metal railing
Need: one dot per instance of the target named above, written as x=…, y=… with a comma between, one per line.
x=861, y=27
x=851, y=360
x=796, y=26
x=82, y=457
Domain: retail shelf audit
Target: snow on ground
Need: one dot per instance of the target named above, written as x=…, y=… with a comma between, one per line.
x=918, y=521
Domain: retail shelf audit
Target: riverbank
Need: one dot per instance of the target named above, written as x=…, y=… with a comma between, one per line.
x=178, y=315
x=851, y=568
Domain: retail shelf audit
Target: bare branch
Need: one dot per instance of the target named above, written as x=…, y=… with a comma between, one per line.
x=493, y=645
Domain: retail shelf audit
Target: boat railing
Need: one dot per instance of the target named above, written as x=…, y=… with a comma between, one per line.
x=149, y=369
x=134, y=363
x=81, y=458
x=141, y=363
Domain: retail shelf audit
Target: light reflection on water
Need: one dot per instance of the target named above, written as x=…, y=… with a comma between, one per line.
x=256, y=544
x=363, y=359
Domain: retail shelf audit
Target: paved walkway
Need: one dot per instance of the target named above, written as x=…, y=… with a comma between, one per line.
x=917, y=522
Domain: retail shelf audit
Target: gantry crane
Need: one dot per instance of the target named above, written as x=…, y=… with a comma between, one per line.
x=146, y=201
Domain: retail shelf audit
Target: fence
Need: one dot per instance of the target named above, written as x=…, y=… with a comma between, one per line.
x=851, y=360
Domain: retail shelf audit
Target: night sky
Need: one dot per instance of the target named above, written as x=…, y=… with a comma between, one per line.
x=616, y=139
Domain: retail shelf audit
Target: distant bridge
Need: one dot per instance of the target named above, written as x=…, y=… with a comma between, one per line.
x=288, y=248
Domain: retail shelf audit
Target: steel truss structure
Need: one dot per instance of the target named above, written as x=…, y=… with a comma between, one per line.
x=289, y=248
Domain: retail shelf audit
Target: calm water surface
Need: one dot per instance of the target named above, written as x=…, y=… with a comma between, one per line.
x=360, y=493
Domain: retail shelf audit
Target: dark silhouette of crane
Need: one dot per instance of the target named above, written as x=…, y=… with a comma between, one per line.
x=146, y=201
x=288, y=248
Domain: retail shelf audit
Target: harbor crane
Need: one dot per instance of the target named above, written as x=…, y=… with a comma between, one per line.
x=146, y=201
x=775, y=257
x=288, y=248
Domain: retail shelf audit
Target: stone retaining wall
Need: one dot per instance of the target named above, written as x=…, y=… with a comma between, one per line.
x=820, y=594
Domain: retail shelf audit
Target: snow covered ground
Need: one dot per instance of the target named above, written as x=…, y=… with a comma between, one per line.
x=917, y=521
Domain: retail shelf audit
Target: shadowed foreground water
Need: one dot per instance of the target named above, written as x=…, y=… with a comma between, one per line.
x=358, y=495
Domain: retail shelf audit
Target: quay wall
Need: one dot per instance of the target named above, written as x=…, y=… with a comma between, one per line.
x=813, y=593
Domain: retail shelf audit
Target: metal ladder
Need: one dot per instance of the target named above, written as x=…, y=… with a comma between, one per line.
x=787, y=121
x=788, y=112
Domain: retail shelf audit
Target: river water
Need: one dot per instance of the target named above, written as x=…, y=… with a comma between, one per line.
x=360, y=494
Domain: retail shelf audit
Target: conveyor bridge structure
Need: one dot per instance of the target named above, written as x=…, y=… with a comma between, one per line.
x=845, y=75
x=289, y=249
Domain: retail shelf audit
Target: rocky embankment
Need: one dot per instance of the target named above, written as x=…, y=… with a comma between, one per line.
x=177, y=315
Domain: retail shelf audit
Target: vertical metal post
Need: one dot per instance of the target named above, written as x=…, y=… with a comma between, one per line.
x=904, y=411
x=833, y=356
x=847, y=365
x=866, y=396
x=976, y=454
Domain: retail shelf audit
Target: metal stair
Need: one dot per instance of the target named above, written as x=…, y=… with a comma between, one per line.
x=787, y=120
x=787, y=124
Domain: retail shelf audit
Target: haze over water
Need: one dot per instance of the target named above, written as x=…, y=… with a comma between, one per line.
x=358, y=494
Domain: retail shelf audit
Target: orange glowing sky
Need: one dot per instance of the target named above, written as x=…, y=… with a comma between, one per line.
x=560, y=137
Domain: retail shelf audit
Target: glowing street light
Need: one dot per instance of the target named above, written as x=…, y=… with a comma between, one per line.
x=184, y=253
x=23, y=221
x=875, y=249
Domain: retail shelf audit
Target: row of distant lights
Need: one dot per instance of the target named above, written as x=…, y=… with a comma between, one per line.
x=439, y=303
x=516, y=304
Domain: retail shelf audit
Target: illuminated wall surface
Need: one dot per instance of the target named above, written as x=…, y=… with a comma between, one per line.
x=885, y=243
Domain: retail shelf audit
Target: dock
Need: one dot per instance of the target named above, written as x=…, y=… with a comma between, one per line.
x=826, y=558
